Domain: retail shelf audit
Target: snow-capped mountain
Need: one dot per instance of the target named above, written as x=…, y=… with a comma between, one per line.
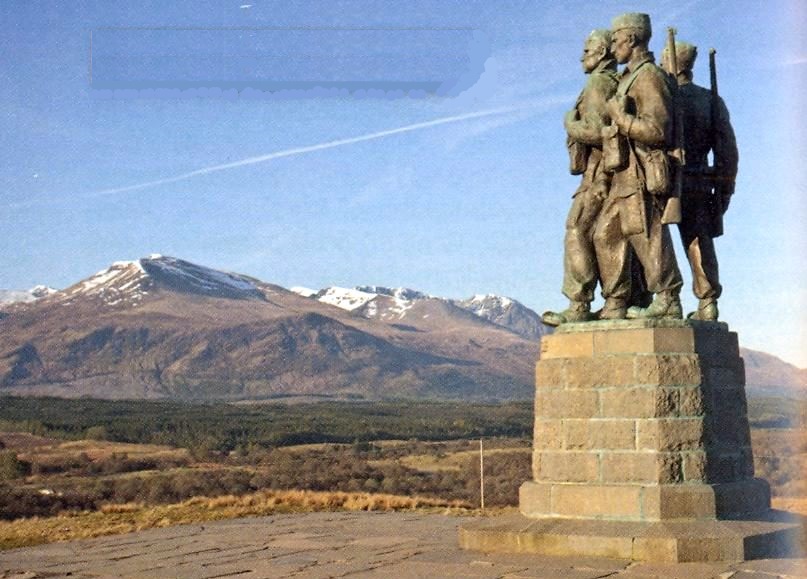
x=163, y=327
x=506, y=312
x=25, y=296
x=129, y=282
x=396, y=305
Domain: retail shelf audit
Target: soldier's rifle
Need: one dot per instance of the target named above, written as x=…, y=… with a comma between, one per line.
x=717, y=199
x=672, y=208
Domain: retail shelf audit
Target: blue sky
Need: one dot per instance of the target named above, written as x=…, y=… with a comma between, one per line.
x=452, y=195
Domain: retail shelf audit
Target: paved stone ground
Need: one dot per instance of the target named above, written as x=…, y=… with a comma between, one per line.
x=319, y=545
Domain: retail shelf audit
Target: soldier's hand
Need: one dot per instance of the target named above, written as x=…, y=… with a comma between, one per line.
x=599, y=190
x=616, y=107
x=612, y=108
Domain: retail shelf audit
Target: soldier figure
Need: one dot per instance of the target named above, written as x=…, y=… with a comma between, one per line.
x=584, y=124
x=642, y=117
x=706, y=191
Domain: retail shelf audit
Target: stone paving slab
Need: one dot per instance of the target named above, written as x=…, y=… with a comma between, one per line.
x=325, y=545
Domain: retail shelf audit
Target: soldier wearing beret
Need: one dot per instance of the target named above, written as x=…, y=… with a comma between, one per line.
x=584, y=124
x=706, y=190
x=641, y=133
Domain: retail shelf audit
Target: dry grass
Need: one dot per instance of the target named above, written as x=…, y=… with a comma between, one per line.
x=452, y=460
x=99, y=450
x=792, y=504
x=126, y=518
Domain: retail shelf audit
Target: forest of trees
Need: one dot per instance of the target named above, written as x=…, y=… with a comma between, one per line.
x=225, y=427
x=327, y=446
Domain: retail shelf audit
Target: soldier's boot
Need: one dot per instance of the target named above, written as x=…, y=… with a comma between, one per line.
x=614, y=309
x=666, y=305
x=576, y=312
x=707, y=311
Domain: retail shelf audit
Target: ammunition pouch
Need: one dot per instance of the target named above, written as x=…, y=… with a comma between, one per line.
x=614, y=149
x=657, y=173
x=578, y=156
x=632, y=214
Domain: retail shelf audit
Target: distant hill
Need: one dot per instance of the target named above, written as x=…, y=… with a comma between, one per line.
x=162, y=327
x=767, y=375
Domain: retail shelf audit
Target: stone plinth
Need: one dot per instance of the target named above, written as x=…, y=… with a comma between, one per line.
x=642, y=421
x=641, y=430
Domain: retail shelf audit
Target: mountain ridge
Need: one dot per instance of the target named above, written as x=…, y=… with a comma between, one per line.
x=164, y=327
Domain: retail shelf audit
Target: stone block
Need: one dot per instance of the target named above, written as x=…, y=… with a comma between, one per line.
x=667, y=370
x=593, y=434
x=547, y=434
x=550, y=374
x=670, y=434
x=628, y=467
x=566, y=403
x=654, y=549
x=727, y=429
x=568, y=466
x=534, y=499
x=597, y=501
x=624, y=341
x=690, y=401
x=716, y=347
x=576, y=345
x=674, y=340
x=727, y=403
x=641, y=467
x=669, y=502
x=731, y=375
x=694, y=466
x=628, y=402
x=742, y=498
x=599, y=372
x=644, y=340
x=724, y=467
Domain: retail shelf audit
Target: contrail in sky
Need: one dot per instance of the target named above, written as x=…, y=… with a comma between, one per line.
x=311, y=149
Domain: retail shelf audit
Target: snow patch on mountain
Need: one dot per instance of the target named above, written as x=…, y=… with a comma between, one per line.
x=129, y=282
x=303, y=291
x=25, y=296
x=486, y=305
x=400, y=293
x=122, y=282
x=345, y=298
x=210, y=281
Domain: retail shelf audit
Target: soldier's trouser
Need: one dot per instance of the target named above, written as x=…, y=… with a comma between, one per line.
x=580, y=272
x=653, y=248
x=695, y=230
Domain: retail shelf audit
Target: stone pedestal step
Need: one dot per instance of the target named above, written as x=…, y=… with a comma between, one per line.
x=776, y=535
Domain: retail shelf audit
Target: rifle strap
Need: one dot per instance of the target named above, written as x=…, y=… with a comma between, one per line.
x=623, y=89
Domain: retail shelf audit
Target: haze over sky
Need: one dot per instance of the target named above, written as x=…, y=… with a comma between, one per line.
x=450, y=195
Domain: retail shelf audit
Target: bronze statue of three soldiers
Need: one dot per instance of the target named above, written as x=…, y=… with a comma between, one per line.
x=641, y=138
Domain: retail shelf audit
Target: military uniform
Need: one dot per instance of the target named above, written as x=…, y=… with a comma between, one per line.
x=580, y=273
x=631, y=216
x=701, y=218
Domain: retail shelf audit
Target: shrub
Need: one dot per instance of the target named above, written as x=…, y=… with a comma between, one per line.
x=12, y=467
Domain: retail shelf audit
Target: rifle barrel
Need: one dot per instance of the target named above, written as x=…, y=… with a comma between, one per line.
x=713, y=70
